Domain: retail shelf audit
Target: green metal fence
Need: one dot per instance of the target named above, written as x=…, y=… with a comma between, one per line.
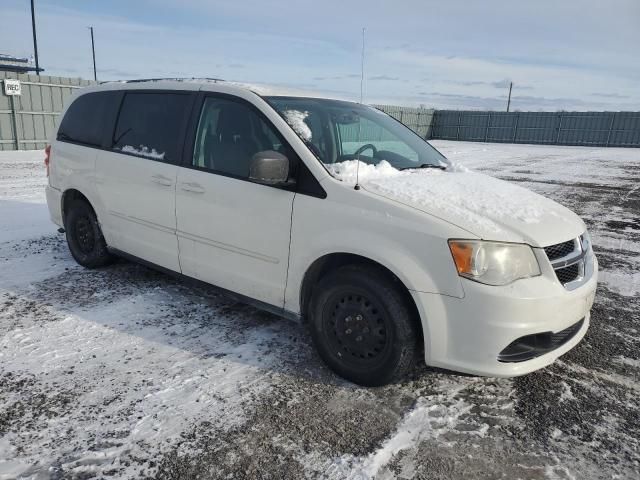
x=419, y=120
x=601, y=129
x=29, y=119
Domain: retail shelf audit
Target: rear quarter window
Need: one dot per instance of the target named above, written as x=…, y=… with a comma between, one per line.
x=151, y=125
x=89, y=118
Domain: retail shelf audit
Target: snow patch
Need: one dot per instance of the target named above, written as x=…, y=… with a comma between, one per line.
x=624, y=283
x=433, y=417
x=567, y=394
x=143, y=151
x=296, y=119
x=348, y=170
x=628, y=361
x=157, y=379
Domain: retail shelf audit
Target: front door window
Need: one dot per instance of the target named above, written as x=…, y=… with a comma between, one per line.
x=229, y=134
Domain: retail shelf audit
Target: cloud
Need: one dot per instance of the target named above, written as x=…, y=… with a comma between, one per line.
x=456, y=101
x=338, y=77
x=505, y=84
x=118, y=73
x=383, y=78
x=545, y=47
x=501, y=84
x=610, y=95
x=471, y=83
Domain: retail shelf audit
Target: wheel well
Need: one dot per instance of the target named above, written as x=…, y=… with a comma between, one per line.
x=68, y=197
x=333, y=261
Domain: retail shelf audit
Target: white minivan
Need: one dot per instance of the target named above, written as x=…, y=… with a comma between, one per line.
x=328, y=211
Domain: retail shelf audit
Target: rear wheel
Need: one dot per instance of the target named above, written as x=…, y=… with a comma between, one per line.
x=84, y=237
x=362, y=326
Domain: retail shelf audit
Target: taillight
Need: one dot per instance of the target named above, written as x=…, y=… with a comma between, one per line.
x=47, y=157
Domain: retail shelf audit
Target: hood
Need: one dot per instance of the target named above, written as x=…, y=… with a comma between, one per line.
x=489, y=208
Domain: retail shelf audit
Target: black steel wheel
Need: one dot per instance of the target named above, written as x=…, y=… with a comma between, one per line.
x=356, y=326
x=84, y=237
x=362, y=326
x=84, y=234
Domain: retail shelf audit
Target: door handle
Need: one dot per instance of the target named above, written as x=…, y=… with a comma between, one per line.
x=162, y=180
x=192, y=187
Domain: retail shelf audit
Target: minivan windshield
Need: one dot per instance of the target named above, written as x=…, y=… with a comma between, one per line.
x=337, y=131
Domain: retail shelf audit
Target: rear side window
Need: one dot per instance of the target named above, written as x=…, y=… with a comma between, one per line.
x=88, y=118
x=151, y=125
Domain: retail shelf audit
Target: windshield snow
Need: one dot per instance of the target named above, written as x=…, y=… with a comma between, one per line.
x=341, y=134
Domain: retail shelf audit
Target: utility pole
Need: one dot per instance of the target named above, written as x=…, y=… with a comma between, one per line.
x=509, y=101
x=35, y=40
x=93, y=51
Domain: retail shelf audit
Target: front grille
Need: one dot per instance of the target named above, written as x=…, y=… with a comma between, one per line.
x=568, y=274
x=570, y=261
x=560, y=250
x=532, y=346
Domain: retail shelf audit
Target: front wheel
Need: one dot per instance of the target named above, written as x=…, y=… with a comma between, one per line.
x=84, y=237
x=362, y=326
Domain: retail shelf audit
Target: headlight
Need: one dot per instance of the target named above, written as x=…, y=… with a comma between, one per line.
x=493, y=263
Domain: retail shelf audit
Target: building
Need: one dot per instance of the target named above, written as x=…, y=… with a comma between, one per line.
x=9, y=63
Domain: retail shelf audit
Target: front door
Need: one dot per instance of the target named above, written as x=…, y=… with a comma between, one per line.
x=231, y=232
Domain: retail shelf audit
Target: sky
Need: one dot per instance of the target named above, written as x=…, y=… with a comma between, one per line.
x=560, y=54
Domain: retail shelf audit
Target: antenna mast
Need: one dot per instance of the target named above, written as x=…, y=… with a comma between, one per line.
x=357, y=187
x=362, y=67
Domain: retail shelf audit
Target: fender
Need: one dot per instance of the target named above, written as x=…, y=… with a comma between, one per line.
x=402, y=262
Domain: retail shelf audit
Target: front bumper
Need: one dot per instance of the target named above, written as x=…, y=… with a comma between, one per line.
x=468, y=334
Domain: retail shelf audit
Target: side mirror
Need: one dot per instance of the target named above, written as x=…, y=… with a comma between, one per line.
x=269, y=168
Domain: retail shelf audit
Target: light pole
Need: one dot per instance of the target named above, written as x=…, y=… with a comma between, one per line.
x=93, y=51
x=35, y=40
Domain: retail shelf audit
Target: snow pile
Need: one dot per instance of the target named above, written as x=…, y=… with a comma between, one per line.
x=347, y=171
x=455, y=193
x=143, y=151
x=453, y=166
x=295, y=118
x=476, y=198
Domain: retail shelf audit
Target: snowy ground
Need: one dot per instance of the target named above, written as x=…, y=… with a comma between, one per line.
x=124, y=372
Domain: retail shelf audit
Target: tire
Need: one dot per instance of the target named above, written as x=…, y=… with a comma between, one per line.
x=363, y=327
x=84, y=237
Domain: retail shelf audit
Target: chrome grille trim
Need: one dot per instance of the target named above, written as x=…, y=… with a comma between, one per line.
x=582, y=255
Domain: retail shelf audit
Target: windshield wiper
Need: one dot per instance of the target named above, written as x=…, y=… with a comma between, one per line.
x=426, y=165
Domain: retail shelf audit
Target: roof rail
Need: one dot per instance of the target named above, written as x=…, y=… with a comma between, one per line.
x=176, y=79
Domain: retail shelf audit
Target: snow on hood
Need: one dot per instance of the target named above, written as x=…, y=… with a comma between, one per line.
x=490, y=208
x=346, y=171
